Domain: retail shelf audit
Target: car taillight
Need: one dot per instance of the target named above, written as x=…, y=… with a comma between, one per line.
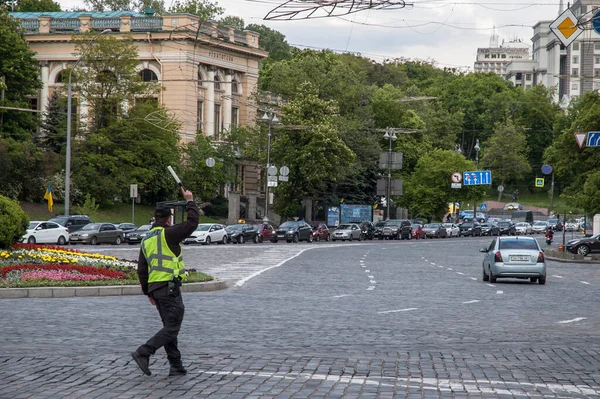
x=540, y=258
x=498, y=257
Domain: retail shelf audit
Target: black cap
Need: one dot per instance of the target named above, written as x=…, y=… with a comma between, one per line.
x=162, y=212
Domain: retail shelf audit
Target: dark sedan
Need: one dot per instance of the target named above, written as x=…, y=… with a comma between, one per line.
x=507, y=228
x=293, y=231
x=470, y=229
x=489, y=229
x=240, y=233
x=584, y=246
x=136, y=236
x=435, y=230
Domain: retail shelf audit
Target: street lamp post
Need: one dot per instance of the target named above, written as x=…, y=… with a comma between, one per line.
x=476, y=148
x=390, y=134
x=69, y=100
x=271, y=118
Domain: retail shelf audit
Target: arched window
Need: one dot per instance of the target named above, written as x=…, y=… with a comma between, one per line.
x=235, y=86
x=217, y=82
x=59, y=77
x=148, y=75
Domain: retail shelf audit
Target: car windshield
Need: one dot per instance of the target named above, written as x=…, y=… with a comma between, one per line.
x=488, y=225
x=203, y=227
x=345, y=227
x=144, y=227
x=33, y=225
x=235, y=227
x=521, y=224
x=516, y=243
x=539, y=224
x=503, y=223
x=60, y=221
x=467, y=224
x=392, y=223
x=415, y=225
x=379, y=224
x=432, y=226
x=91, y=226
x=552, y=221
x=288, y=225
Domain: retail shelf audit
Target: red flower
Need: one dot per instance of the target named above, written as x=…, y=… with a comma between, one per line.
x=81, y=269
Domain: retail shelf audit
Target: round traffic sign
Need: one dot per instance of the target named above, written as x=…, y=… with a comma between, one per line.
x=501, y=188
x=284, y=171
x=210, y=162
x=546, y=169
x=596, y=22
x=272, y=171
x=456, y=177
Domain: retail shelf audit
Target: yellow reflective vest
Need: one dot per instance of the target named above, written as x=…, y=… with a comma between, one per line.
x=162, y=262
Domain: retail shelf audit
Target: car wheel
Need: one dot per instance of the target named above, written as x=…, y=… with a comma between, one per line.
x=288, y=241
x=533, y=279
x=328, y=237
x=296, y=238
x=310, y=238
x=274, y=240
x=255, y=239
x=94, y=241
x=542, y=280
x=360, y=237
x=207, y=242
x=318, y=237
x=118, y=240
x=351, y=237
x=260, y=239
x=583, y=250
x=485, y=276
x=240, y=240
x=61, y=240
x=31, y=240
x=492, y=277
x=223, y=240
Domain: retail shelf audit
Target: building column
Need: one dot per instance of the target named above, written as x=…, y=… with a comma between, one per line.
x=45, y=76
x=227, y=100
x=234, y=207
x=210, y=102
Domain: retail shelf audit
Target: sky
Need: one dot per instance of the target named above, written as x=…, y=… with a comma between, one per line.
x=445, y=31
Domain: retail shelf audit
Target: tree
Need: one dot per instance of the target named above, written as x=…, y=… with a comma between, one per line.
x=272, y=41
x=54, y=126
x=206, y=10
x=505, y=153
x=234, y=22
x=13, y=222
x=110, y=78
x=21, y=76
x=37, y=6
x=314, y=156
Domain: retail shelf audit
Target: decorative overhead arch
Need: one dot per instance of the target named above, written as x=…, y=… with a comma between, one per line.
x=310, y=9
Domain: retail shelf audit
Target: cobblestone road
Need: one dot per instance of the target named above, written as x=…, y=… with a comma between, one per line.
x=377, y=319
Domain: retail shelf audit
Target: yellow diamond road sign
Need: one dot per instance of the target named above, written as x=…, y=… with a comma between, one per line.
x=566, y=27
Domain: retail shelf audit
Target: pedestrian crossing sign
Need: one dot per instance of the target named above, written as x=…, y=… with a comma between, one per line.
x=539, y=182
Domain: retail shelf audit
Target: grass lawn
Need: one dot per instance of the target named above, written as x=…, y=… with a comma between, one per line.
x=118, y=213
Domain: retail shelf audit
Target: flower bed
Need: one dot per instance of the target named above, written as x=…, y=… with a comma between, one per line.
x=26, y=265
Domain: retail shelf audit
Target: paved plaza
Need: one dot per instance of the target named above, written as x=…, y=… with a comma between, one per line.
x=378, y=319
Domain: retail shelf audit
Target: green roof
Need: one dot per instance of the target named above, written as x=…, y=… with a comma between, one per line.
x=74, y=14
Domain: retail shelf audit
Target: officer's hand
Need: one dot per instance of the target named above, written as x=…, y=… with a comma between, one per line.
x=152, y=301
x=187, y=194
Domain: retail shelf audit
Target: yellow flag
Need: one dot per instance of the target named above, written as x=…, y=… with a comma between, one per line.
x=48, y=196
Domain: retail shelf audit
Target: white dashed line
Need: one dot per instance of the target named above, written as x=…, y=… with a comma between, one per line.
x=371, y=288
x=473, y=278
x=441, y=267
x=473, y=301
x=500, y=292
x=370, y=277
x=367, y=271
x=585, y=282
x=449, y=268
x=341, y=296
x=397, y=311
x=433, y=263
x=372, y=281
x=490, y=285
x=462, y=274
x=572, y=321
x=557, y=276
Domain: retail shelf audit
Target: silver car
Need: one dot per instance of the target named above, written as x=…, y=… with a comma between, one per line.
x=514, y=257
x=523, y=228
x=539, y=227
x=347, y=231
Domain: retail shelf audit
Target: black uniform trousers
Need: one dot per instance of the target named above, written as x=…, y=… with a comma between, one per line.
x=171, y=312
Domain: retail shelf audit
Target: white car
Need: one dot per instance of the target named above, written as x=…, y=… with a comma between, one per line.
x=539, y=227
x=452, y=230
x=523, y=228
x=207, y=233
x=571, y=225
x=45, y=233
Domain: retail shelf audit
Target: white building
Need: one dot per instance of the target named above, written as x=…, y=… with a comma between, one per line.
x=496, y=57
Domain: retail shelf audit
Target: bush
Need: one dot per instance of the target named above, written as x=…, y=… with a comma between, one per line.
x=219, y=207
x=13, y=222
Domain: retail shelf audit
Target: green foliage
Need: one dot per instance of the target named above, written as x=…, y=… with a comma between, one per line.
x=53, y=129
x=272, y=41
x=37, y=6
x=22, y=168
x=219, y=207
x=89, y=207
x=206, y=10
x=13, y=222
x=235, y=22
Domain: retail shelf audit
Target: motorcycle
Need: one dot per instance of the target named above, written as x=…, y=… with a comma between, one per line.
x=548, y=239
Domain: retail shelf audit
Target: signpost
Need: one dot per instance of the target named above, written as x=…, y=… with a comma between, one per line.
x=483, y=207
x=566, y=28
x=133, y=193
x=539, y=182
x=477, y=177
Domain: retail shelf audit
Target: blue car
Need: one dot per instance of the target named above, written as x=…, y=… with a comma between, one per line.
x=468, y=216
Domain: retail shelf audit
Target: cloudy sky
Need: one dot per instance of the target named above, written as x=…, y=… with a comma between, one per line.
x=447, y=31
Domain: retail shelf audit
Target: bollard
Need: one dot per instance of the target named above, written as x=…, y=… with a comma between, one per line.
x=560, y=248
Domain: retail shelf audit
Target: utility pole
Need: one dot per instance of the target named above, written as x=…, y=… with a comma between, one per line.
x=2, y=99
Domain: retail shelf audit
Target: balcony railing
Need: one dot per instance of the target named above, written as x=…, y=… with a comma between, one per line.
x=65, y=24
x=146, y=23
x=106, y=23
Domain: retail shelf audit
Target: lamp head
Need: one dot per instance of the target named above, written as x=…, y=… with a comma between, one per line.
x=477, y=148
x=265, y=117
x=275, y=118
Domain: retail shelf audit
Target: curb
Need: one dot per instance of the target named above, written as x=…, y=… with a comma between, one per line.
x=584, y=261
x=109, y=290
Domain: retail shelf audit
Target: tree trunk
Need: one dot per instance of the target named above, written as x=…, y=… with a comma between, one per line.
x=500, y=192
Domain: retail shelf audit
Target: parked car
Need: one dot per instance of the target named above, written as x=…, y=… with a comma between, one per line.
x=367, y=229
x=417, y=231
x=378, y=229
x=572, y=225
x=452, y=229
x=489, y=229
x=125, y=227
x=515, y=257
x=207, y=233
x=265, y=231
x=73, y=222
x=240, y=233
x=45, y=233
x=506, y=227
x=136, y=236
x=556, y=224
x=97, y=233
x=467, y=215
x=523, y=228
x=347, y=231
x=293, y=231
x=321, y=232
x=513, y=206
x=470, y=229
x=396, y=229
x=585, y=245
x=539, y=227
x=435, y=230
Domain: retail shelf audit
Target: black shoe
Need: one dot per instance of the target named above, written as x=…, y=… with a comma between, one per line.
x=143, y=362
x=177, y=371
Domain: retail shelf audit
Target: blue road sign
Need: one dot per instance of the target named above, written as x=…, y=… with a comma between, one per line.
x=483, y=207
x=546, y=169
x=593, y=139
x=477, y=177
x=596, y=22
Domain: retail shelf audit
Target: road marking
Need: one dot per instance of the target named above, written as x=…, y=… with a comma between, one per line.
x=372, y=281
x=283, y=262
x=341, y=296
x=367, y=271
x=432, y=263
x=557, y=276
x=572, y=321
x=490, y=285
x=473, y=301
x=396, y=311
x=449, y=268
x=500, y=292
x=370, y=277
x=473, y=278
x=371, y=288
x=441, y=267
x=585, y=282
x=462, y=274
x=363, y=266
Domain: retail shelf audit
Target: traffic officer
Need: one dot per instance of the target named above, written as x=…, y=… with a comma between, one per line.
x=160, y=270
